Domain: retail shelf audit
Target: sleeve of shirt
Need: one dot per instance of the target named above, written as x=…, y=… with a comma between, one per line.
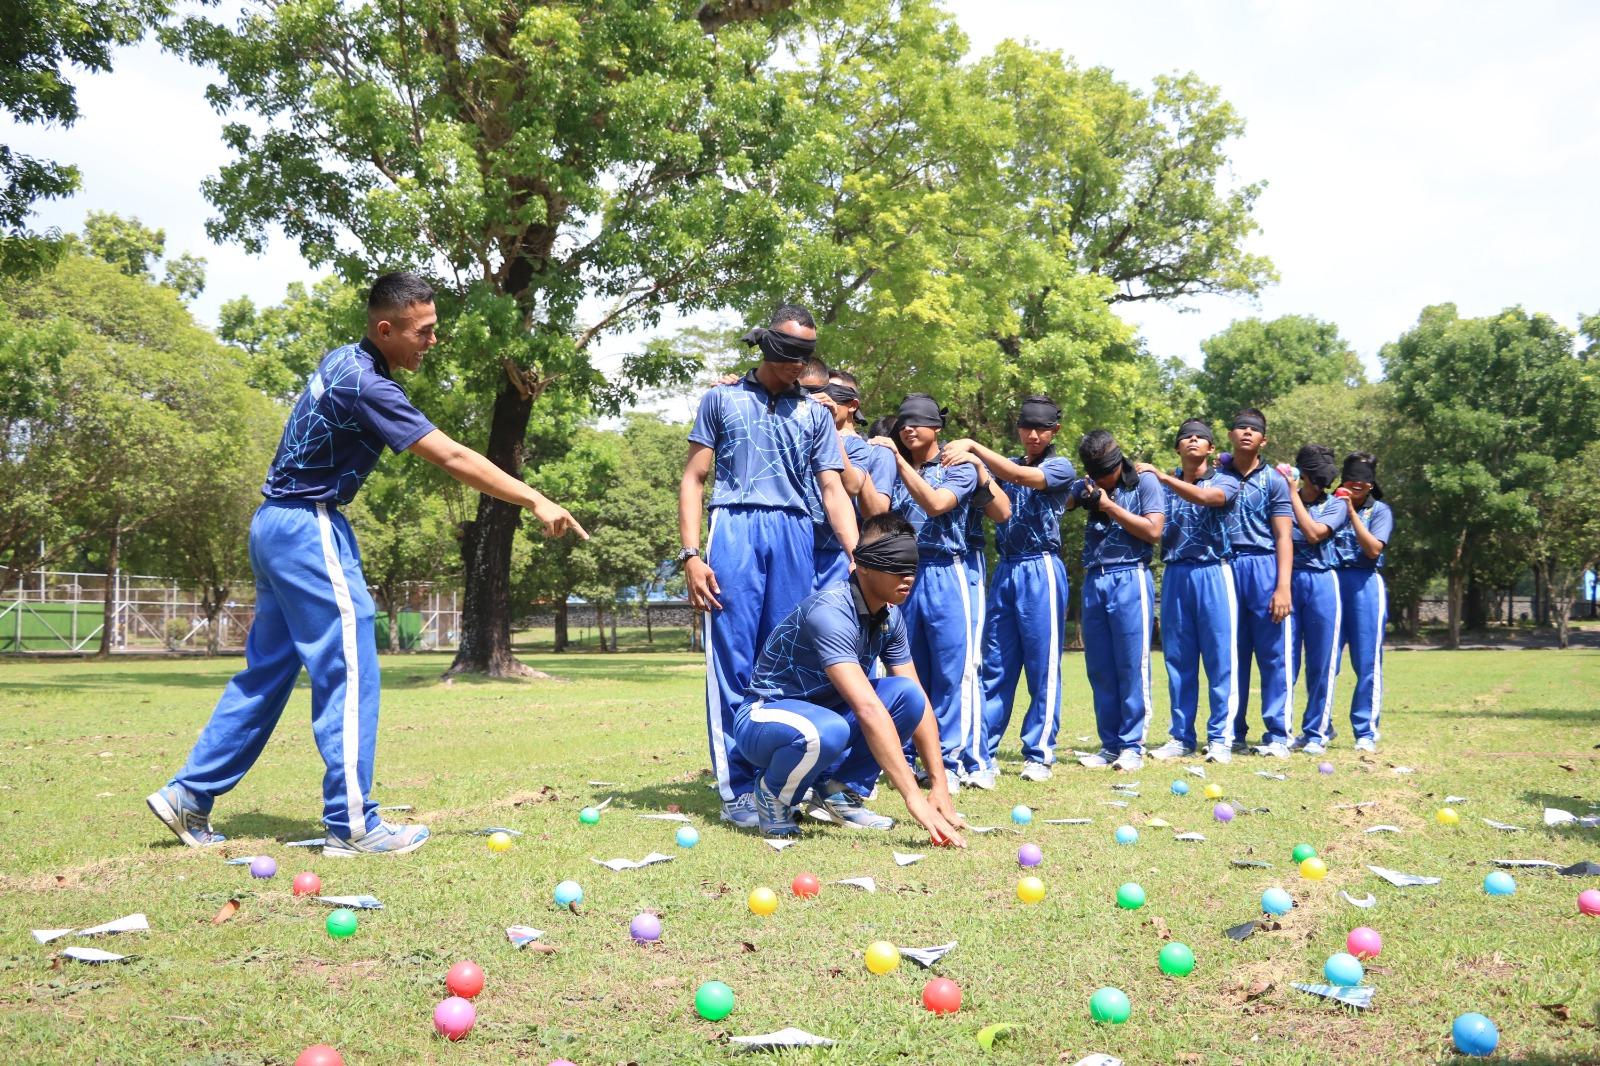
x=1278, y=505
x=707, y=420
x=825, y=440
x=1382, y=524
x=880, y=463
x=897, y=649
x=1152, y=495
x=382, y=408
x=1058, y=474
x=831, y=636
x=1227, y=483
x=856, y=450
x=961, y=480
x=1333, y=513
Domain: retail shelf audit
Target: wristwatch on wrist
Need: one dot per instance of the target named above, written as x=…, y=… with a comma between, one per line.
x=685, y=555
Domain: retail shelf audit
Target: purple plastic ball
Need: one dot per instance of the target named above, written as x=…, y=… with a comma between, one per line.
x=1325, y=768
x=645, y=928
x=1222, y=812
x=263, y=866
x=1029, y=855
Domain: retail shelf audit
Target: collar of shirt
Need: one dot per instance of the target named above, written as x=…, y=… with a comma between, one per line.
x=794, y=391
x=379, y=363
x=1049, y=450
x=868, y=618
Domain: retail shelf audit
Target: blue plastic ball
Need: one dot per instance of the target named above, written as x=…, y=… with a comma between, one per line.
x=1343, y=969
x=1180, y=788
x=1127, y=834
x=1021, y=814
x=1276, y=901
x=568, y=892
x=1475, y=1035
x=688, y=836
x=1499, y=883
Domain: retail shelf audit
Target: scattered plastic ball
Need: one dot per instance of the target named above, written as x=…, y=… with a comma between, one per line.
x=1180, y=788
x=341, y=923
x=762, y=901
x=562, y=1062
x=942, y=996
x=454, y=1018
x=1589, y=901
x=319, y=1055
x=1110, y=1005
x=1030, y=890
x=1302, y=852
x=1499, y=883
x=1130, y=897
x=1126, y=834
x=500, y=842
x=1313, y=869
x=1222, y=812
x=465, y=979
x=1176, y=960
x=805, y=885
x=1446, y=816
x=1276, y=901
x=1324, y=767
x=307, y=884
x=1343, y=969
x=568, y=893
x=1022, y=814
x=263, y=866
x=1364, y=943
x=645, y=928
x=882, y=957
x=688, y=836
x=1213, y=791
x=713, y=1001
x=589, y=816
x=1475, y=1035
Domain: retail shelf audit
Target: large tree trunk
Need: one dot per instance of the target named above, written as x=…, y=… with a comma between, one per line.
x=109, y=619
x=1476, y=605
x=485, y=646
x=562, y=640
x=1541, y=595
x=1457, y=583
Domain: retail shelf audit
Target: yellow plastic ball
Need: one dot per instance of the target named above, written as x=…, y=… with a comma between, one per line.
x=763, y=901
x=882, y=957
x=1030, y=890
x=1313, y=869
x=500, y=842
x=1446, y=816
x=1213, y=791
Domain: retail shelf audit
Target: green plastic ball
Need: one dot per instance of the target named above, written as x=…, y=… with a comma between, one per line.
x=1110, y=1005
x=1302, y=852
x=1130, y=897
x=589, y=816
x=1177, y=960
x=713, y=1001
x=341, y=923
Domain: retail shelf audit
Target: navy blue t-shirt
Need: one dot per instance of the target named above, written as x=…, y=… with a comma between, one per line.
x=1331, y=512
x=769, y=448
x=349, y=412
x=1378, y=517
x=1034, y=527
x=830, y=626
x=1263, y=496
x=942, y=535
x=1107, y=545
x=1196, y=534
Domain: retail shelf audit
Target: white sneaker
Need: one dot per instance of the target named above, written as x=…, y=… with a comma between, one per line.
x=1277, y=750
x=1099, y=760
x=1172, y=749
x=1366, y=744
x=1036, y=771
x=984, y=779
x=1219, y=753
x=1129, y=761
x=1312, y=747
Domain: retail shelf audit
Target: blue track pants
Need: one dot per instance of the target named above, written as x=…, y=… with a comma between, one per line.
x=938, y=616
x=1200, y=624
x=1364, y=601
x=977, y=565
x=1023, y=632
x=1118, y=617
x=1316, y=648
x=312, y=610
x=1255, y=578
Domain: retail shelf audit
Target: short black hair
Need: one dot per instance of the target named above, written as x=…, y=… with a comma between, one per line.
x=881, y=427
x=793, y=313
x=1362, y=457
x=815, y=368
x=887, y=524
x=397, y=292
x=1095, y=443
x=1247, y=411
x=845, y=376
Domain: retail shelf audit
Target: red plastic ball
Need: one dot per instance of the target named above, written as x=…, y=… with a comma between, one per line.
x=465, y=979
x=320, y=1055
x=307, y=884
x=806, y=885
x=942, y=996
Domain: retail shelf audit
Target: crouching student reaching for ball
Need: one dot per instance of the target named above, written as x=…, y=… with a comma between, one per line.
x=810, y=706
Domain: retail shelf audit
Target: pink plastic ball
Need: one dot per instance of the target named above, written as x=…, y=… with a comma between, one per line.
x=1222, y=812
x=1364, y=943
x=563, y=1062
x=320, y=1055
x=1589, y=901
x=454, y=1018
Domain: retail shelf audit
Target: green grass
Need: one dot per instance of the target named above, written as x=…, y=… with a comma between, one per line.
x=82, y=743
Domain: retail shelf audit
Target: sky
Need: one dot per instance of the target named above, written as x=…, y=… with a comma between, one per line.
x=1414, y=151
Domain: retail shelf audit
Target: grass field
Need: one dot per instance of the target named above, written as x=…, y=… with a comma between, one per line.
x=82, y=743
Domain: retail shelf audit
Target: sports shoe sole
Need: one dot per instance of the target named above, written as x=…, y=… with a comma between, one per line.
x=339, y=852
x=170, y=818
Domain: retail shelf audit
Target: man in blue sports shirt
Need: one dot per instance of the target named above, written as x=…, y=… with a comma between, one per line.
x=865, y=469
x=1199, y=619
x=1317, y=517
x=811, y=708
x=767, y=440
x=985, y=503
x=312, y=605
x=1025, y=625
x=1258, y=536
x=1364, y=601
x=1127, y=511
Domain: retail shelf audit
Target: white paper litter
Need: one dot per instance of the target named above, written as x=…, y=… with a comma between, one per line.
x=243, y=860
x=1541, y=863
x=1395, y=877
x=522, y=935
x=1381, y=829
x=1099, y=1058
x=1159, y=823
x=360, y=903
x=44, y=936
x=1114, y=803
x=1121, y=785
x=133, y=923
x=1269, y=775
x=860, y=882
x=1504, y=827
x=603, y=804
x=790, y=1037
x=982, y=829
x=779, y=845
x=1130, y=795
x=602, y=784
x=902, y=859
x=1068, y=821
x=309, y=842
x=666, y=817
x=1353, y=806
x=1556, y=816
x=1198, y=771
x=1189, y=836
x=628, y=864
x=1368, y=901
x=1352, y=995
x=398, y=807
x=93, y=955
x=1455, y=799
x=493, y=829
x=1404, y=770
x=926, y=957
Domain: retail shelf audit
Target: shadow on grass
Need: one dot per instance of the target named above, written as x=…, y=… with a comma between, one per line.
x=100, y=680
x=1575, y=715
x=693, y=798
x=1574, y=804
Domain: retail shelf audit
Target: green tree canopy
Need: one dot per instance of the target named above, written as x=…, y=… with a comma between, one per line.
x=1252, y=363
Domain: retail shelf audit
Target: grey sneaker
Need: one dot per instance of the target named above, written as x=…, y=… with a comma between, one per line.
x=1313, y=747
x=1219, y=753
x=383, y=839
x=180, y=812
x=1172, y=749
x=984, y=779
x=844, y=804
x=1367, y=744
x=1241, y=747
x=1297, y=743
x=775, y=819
x=1128, y=761
x=1099, y=760
x=741, y=811
x=1036, y=771
x=1277, y=750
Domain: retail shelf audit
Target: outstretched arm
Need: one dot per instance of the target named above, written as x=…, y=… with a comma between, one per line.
x=475, y=471
x=1030, y=476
